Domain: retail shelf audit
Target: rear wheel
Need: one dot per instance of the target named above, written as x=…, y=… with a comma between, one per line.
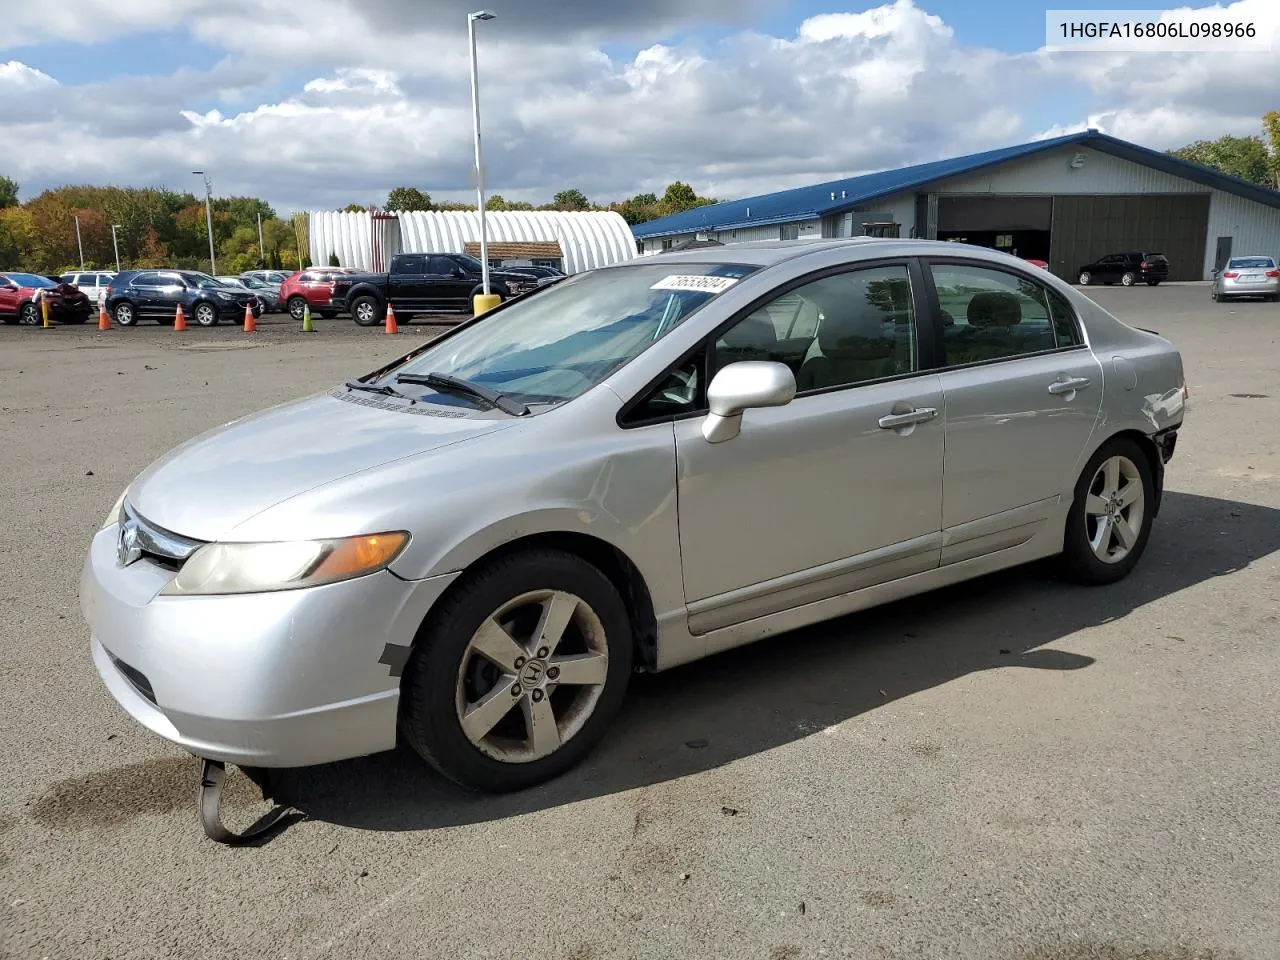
x=1152, y=283
x=1109, y=523
x=297, y=307
x=1085, y=278
x=125, y=315
x=1127, y=279
x=519, y=674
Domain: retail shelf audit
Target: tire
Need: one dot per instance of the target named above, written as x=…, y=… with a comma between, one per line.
x=1085, y=278
x=205, y=314
x=1127, y=279
x=1081, y=560
x=445, y=673
x=125, y=315
x=29, y=314
x=367, y=312
x=297, y=306
x=1153, y=283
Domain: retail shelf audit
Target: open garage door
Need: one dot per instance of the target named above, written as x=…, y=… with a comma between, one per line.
x=1016, y=225
x=1086, y=227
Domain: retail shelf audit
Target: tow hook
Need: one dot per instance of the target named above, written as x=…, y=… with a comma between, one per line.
x=213, y=773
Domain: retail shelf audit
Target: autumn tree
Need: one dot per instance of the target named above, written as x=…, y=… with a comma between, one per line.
x=1271, y=127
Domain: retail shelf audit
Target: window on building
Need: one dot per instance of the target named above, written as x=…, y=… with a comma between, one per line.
x=882, y=230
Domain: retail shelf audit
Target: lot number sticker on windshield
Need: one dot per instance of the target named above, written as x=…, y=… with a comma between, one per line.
x=700, y=282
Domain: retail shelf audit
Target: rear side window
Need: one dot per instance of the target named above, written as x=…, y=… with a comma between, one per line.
x=146, y=280
x=988, y=314
x=409, y=264
x=1066, y=328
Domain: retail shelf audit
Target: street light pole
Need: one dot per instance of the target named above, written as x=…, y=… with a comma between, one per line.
x=475, y=111
x=116, y=244
x=79, y=242
x=208, y=216
x=262, y=250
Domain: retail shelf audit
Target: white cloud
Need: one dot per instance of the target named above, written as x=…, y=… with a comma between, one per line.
x=845, y=93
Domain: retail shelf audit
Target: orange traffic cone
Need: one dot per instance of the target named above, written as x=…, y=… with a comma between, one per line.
x=104, y=322
x=250, y=325
x=392, y=327
x=179, y=321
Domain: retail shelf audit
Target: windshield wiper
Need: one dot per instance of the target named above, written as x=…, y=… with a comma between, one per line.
x=385, y=389
x=446, y=383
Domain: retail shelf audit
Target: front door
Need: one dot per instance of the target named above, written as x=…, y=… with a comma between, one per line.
x=1021, y=394
x=8, y=297
x=838, y=490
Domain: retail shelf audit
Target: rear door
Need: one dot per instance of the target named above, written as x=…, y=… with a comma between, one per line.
x=1021, y=394
x=407, y=284
x=145, y=293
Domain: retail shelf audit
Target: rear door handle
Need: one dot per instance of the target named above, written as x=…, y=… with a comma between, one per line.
x=1070, y=385
x=920, y=415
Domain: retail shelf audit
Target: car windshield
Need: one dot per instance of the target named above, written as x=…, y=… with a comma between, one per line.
x=1254, y=263
x=563, y=340
x=31, y=280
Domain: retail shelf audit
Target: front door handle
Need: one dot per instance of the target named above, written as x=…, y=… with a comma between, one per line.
x=1070, y=385
x=920, y=415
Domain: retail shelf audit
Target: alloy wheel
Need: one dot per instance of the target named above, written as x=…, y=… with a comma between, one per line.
x=1114, y=509
x=29, y=315
x=364, y=313
x=531, y=676
x=1084, y=278
x=206, y=316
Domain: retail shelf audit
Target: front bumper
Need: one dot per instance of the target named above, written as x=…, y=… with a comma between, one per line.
x=283, y=679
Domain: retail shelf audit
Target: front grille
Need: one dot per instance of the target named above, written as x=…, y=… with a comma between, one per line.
x=137, y=679
x=162, y=547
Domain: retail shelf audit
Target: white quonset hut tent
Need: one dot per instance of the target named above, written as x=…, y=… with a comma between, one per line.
x=367, y=241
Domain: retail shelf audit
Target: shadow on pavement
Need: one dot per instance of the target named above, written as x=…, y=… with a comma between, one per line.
x=762, y=696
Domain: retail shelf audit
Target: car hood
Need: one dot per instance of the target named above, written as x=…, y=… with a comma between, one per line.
x=65, y=292
x=209, y=485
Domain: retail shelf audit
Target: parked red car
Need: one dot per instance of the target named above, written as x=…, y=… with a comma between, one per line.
x=312, y=286
x=19, y=304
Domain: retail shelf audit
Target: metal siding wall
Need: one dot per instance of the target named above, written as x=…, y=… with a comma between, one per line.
x=1253, y=228
x=1050, y=173
x=1088, y=227
x=744, y=234
x=587, y=240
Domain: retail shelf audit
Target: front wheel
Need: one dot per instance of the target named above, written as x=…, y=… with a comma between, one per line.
x=1085, y=278
x=1127, y=279
x=367, y=312
x=29, y=315
x=206, y=315
x=518, y=675
x=1109, y=523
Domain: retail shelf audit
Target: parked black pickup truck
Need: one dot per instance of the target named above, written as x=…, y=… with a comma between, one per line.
x=423, y=283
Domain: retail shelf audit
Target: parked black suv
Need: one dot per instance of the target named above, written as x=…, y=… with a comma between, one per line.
x=423, y=283
x=135, y=294
x=1126, y=268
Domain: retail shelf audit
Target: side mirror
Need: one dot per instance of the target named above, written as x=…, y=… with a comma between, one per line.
x=742, y=386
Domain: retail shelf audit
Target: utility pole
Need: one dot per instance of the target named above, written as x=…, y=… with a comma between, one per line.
x=262, y=249
x=79, y=242
x=208, y=216
x=116, y=243
x=475, y=111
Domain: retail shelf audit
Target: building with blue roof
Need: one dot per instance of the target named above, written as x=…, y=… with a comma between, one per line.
x=1066, y=200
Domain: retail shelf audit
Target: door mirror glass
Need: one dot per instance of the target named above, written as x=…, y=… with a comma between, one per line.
x=743, y=386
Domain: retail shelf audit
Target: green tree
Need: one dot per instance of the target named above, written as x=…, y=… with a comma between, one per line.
x=333, y=260
x=1242, y=157
x=679, y=196
x=638, y=209
x=354, y=208
x=17, y=235
x=1271, y=127
x=8, y=192
x=571, y=199
x=408, y=198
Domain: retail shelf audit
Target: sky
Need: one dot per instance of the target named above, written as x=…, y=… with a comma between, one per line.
x=314, y=104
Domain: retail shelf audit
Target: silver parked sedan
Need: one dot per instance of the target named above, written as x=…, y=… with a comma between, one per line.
x=1247, y=277
x=474, y=546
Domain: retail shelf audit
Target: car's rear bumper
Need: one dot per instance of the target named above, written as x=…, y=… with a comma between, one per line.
x=282, y=679
x=1234, y=288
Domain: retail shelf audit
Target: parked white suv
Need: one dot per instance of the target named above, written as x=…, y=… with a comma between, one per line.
x=92, y=283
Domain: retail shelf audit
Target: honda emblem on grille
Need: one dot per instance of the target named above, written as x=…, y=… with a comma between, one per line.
x=127, y=549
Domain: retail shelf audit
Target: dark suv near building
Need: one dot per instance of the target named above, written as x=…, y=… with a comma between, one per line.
x=1126, y=268
x=135, y=294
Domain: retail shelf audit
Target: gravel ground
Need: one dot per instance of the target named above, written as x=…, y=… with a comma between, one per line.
x=1013, y=769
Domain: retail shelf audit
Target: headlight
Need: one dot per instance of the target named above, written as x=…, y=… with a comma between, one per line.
x=218, y=568
x=224, y=296
x=114, y=516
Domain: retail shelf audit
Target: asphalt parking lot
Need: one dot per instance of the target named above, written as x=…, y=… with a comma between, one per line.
x=1013, y=769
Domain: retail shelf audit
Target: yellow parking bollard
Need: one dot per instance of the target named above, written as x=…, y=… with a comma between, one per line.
x=482, y=302
x=44, y=312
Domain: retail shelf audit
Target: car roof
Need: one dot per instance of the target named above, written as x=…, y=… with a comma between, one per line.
x=766, y=253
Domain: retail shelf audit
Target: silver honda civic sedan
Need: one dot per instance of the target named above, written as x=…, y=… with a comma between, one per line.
x=475, y=546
